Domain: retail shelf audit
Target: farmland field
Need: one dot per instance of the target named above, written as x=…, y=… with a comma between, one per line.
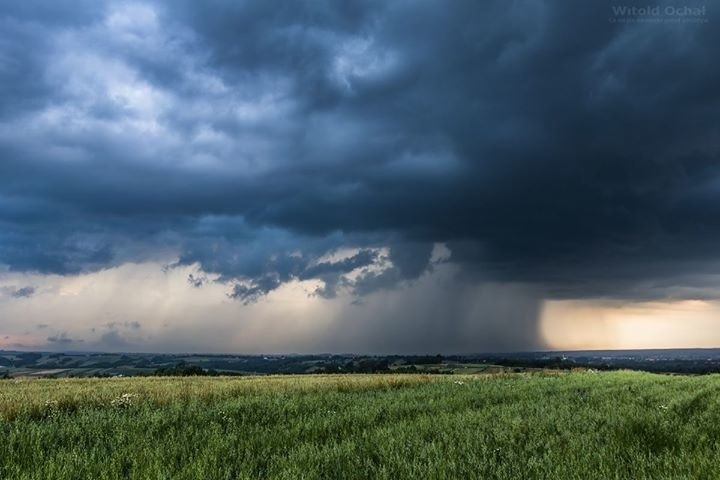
x=580, y=425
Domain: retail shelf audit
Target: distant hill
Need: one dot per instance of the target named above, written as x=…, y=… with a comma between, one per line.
x=80, y=364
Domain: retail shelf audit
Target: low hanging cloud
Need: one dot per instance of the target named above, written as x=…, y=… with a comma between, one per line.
x=24, y=292
x=62, y=339
x=282, y=269
x=114, y=341
x=197, y=280
x=115, y=325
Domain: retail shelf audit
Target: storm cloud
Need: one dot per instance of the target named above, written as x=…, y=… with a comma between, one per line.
x=539, y=143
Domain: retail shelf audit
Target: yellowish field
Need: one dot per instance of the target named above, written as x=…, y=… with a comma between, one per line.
x=34, y=397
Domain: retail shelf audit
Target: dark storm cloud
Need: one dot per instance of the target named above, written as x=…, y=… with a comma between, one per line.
x=543, y=142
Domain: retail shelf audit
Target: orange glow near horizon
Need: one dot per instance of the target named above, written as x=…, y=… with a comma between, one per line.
x=588, y=325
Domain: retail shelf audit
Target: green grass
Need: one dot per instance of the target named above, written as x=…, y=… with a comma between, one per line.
x=564, y=426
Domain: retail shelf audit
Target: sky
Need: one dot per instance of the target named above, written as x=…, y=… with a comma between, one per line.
x=359, y=176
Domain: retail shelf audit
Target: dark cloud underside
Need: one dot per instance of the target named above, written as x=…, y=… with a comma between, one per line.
x=542, y=142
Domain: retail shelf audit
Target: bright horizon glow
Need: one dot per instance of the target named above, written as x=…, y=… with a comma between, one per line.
x=615, y=325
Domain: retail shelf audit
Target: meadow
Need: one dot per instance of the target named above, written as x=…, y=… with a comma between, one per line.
x=579, y=425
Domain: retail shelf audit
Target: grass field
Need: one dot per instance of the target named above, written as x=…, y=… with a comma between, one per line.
x=553, y=426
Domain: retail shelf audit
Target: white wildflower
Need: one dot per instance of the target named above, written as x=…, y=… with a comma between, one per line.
x=125, y=400
x=52, y=407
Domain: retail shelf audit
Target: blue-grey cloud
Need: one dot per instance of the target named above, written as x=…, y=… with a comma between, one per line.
x=62, y=339
x=541, y=141
x=113, y=340
x=115, y=325
x=197, y=280
x=24, y=292
x=18, y=292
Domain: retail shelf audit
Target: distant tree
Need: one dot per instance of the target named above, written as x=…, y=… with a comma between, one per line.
x=406, y=369
x=426, y=359
x=183, y=369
